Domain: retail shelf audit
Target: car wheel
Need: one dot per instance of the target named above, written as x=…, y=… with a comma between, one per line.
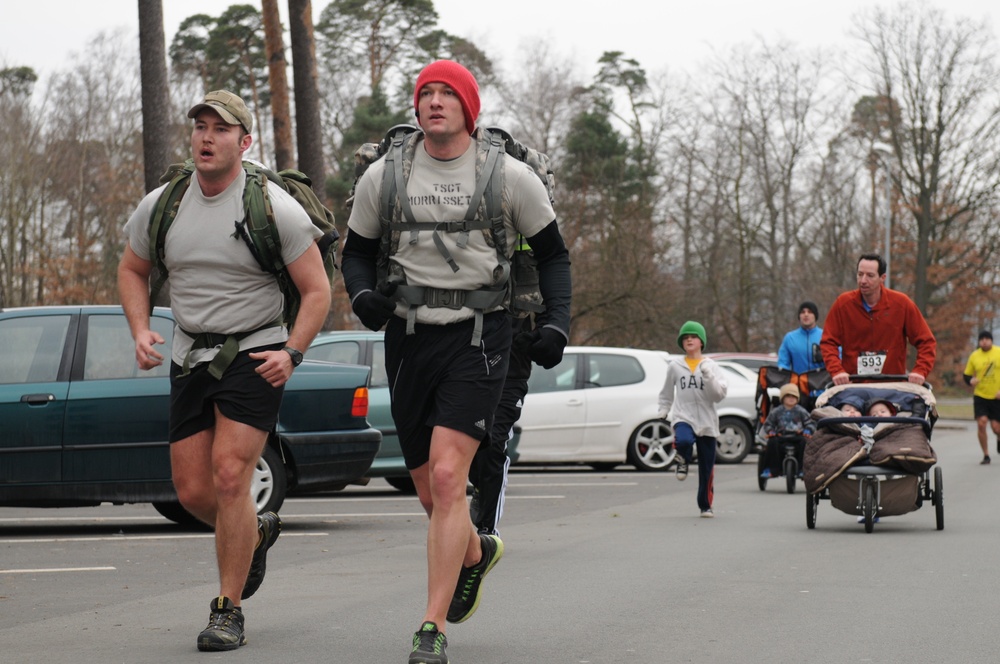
x=402, y=483
x=176, y=513
x=270, y=482
x=735, y=438
x=651, y=446
x=267, y=488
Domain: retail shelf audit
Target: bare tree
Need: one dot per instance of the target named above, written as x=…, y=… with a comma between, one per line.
x=94, y=151
x=944, y=130
x=307, y=118
x=747, y=151
x=155, y=92
x=23, y=173
x=281, y=117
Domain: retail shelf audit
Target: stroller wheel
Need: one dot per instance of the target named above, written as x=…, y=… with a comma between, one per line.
x=791, y=470
x=761, y=465
x=938, y=499
x=868, y=506
x=812, y=502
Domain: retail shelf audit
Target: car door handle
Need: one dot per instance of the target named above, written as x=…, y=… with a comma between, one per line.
x=574, y=402
x=38, y=399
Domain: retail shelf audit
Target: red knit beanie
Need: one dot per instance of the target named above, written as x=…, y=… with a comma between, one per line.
x=459, y=79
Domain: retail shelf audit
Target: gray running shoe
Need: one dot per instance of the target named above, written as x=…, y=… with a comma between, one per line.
x=429, y=645
x=225, y=627
x=467, y=593
x=269, y=525
x=682, y=468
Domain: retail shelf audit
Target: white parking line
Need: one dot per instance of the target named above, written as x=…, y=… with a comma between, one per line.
x=57, y=569
x=133, y=538
x=548, y=484
x=88, y=519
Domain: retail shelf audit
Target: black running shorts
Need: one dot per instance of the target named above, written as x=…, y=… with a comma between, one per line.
x=242, y=396
x=982, y=407
x=437, y=378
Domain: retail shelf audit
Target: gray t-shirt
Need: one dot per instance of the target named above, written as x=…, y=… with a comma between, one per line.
x=441, y=190
x=216, y=284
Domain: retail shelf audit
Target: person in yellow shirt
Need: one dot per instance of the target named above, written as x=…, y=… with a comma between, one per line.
x=982, y=372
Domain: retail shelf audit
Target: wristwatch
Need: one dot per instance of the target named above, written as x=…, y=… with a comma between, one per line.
x=295, y=354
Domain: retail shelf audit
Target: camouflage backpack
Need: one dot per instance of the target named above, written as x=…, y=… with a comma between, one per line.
x=515, y=284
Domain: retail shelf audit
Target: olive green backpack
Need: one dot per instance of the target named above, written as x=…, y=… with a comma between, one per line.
x=258, y=228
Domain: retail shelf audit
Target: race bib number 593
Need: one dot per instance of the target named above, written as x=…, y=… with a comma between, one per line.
x=870, y=362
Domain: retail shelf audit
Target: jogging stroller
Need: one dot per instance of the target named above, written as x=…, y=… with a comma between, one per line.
x=874, y=467
x=782, y=456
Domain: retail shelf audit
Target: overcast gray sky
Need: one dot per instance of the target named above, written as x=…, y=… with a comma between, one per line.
x=44, y=33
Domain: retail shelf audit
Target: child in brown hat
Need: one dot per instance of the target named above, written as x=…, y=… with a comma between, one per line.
x=788, y=419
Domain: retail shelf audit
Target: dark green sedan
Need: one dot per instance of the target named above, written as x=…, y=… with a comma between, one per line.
x=81, y=425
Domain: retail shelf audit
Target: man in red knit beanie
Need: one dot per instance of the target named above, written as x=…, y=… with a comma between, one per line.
x=460, y=80
x=447, y=335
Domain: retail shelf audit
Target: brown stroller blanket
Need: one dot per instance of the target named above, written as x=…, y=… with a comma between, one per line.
x=835, y=447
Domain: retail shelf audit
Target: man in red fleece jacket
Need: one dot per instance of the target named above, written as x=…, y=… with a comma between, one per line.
x=867, y=330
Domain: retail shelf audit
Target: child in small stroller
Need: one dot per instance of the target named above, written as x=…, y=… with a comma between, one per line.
x=777, y=452
x=787, y=428
x=874, y=464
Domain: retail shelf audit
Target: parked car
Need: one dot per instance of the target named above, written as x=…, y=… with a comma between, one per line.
x=599, y=407
x=735, y=441
x=752, y=361
x=83, y=425
x=368, y=348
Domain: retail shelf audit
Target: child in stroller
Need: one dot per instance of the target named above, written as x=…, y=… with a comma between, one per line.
x=877, y=464
x=787, y=428
x=778, y=451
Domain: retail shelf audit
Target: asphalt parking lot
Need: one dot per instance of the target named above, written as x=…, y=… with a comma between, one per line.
x=600, y=567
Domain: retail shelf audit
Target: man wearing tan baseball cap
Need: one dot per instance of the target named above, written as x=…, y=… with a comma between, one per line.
x=220, y=418
x=230, y=108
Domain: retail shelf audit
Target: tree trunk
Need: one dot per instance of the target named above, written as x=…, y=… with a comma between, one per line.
x=155, y=93
x=308, y=133
x=274, y=47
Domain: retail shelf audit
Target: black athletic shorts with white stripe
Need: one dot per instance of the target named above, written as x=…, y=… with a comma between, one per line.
x=438, y=378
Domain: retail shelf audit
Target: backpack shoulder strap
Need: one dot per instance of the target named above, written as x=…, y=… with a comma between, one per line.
x=178, y=179
x=258, y=227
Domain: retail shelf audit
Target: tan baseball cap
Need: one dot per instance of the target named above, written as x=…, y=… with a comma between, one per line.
x=230, y=108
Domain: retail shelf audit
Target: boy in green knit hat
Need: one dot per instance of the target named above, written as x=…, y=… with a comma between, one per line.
x=693, y=386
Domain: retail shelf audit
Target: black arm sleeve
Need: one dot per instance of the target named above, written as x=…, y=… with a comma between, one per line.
x=358, y=263
x=554, y=277
x=967, y=379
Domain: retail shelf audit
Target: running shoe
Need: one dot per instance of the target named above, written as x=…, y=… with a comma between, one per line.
x=708, y=514
x=682, y=468
x=225, y=627
x=765, y=474
x=465, y=601
x=429, y=645
x=861, y=519
x=985, y=461
x=269, y=527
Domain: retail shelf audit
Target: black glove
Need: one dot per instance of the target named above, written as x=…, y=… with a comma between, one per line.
x=373, y=308
x=544, y=346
